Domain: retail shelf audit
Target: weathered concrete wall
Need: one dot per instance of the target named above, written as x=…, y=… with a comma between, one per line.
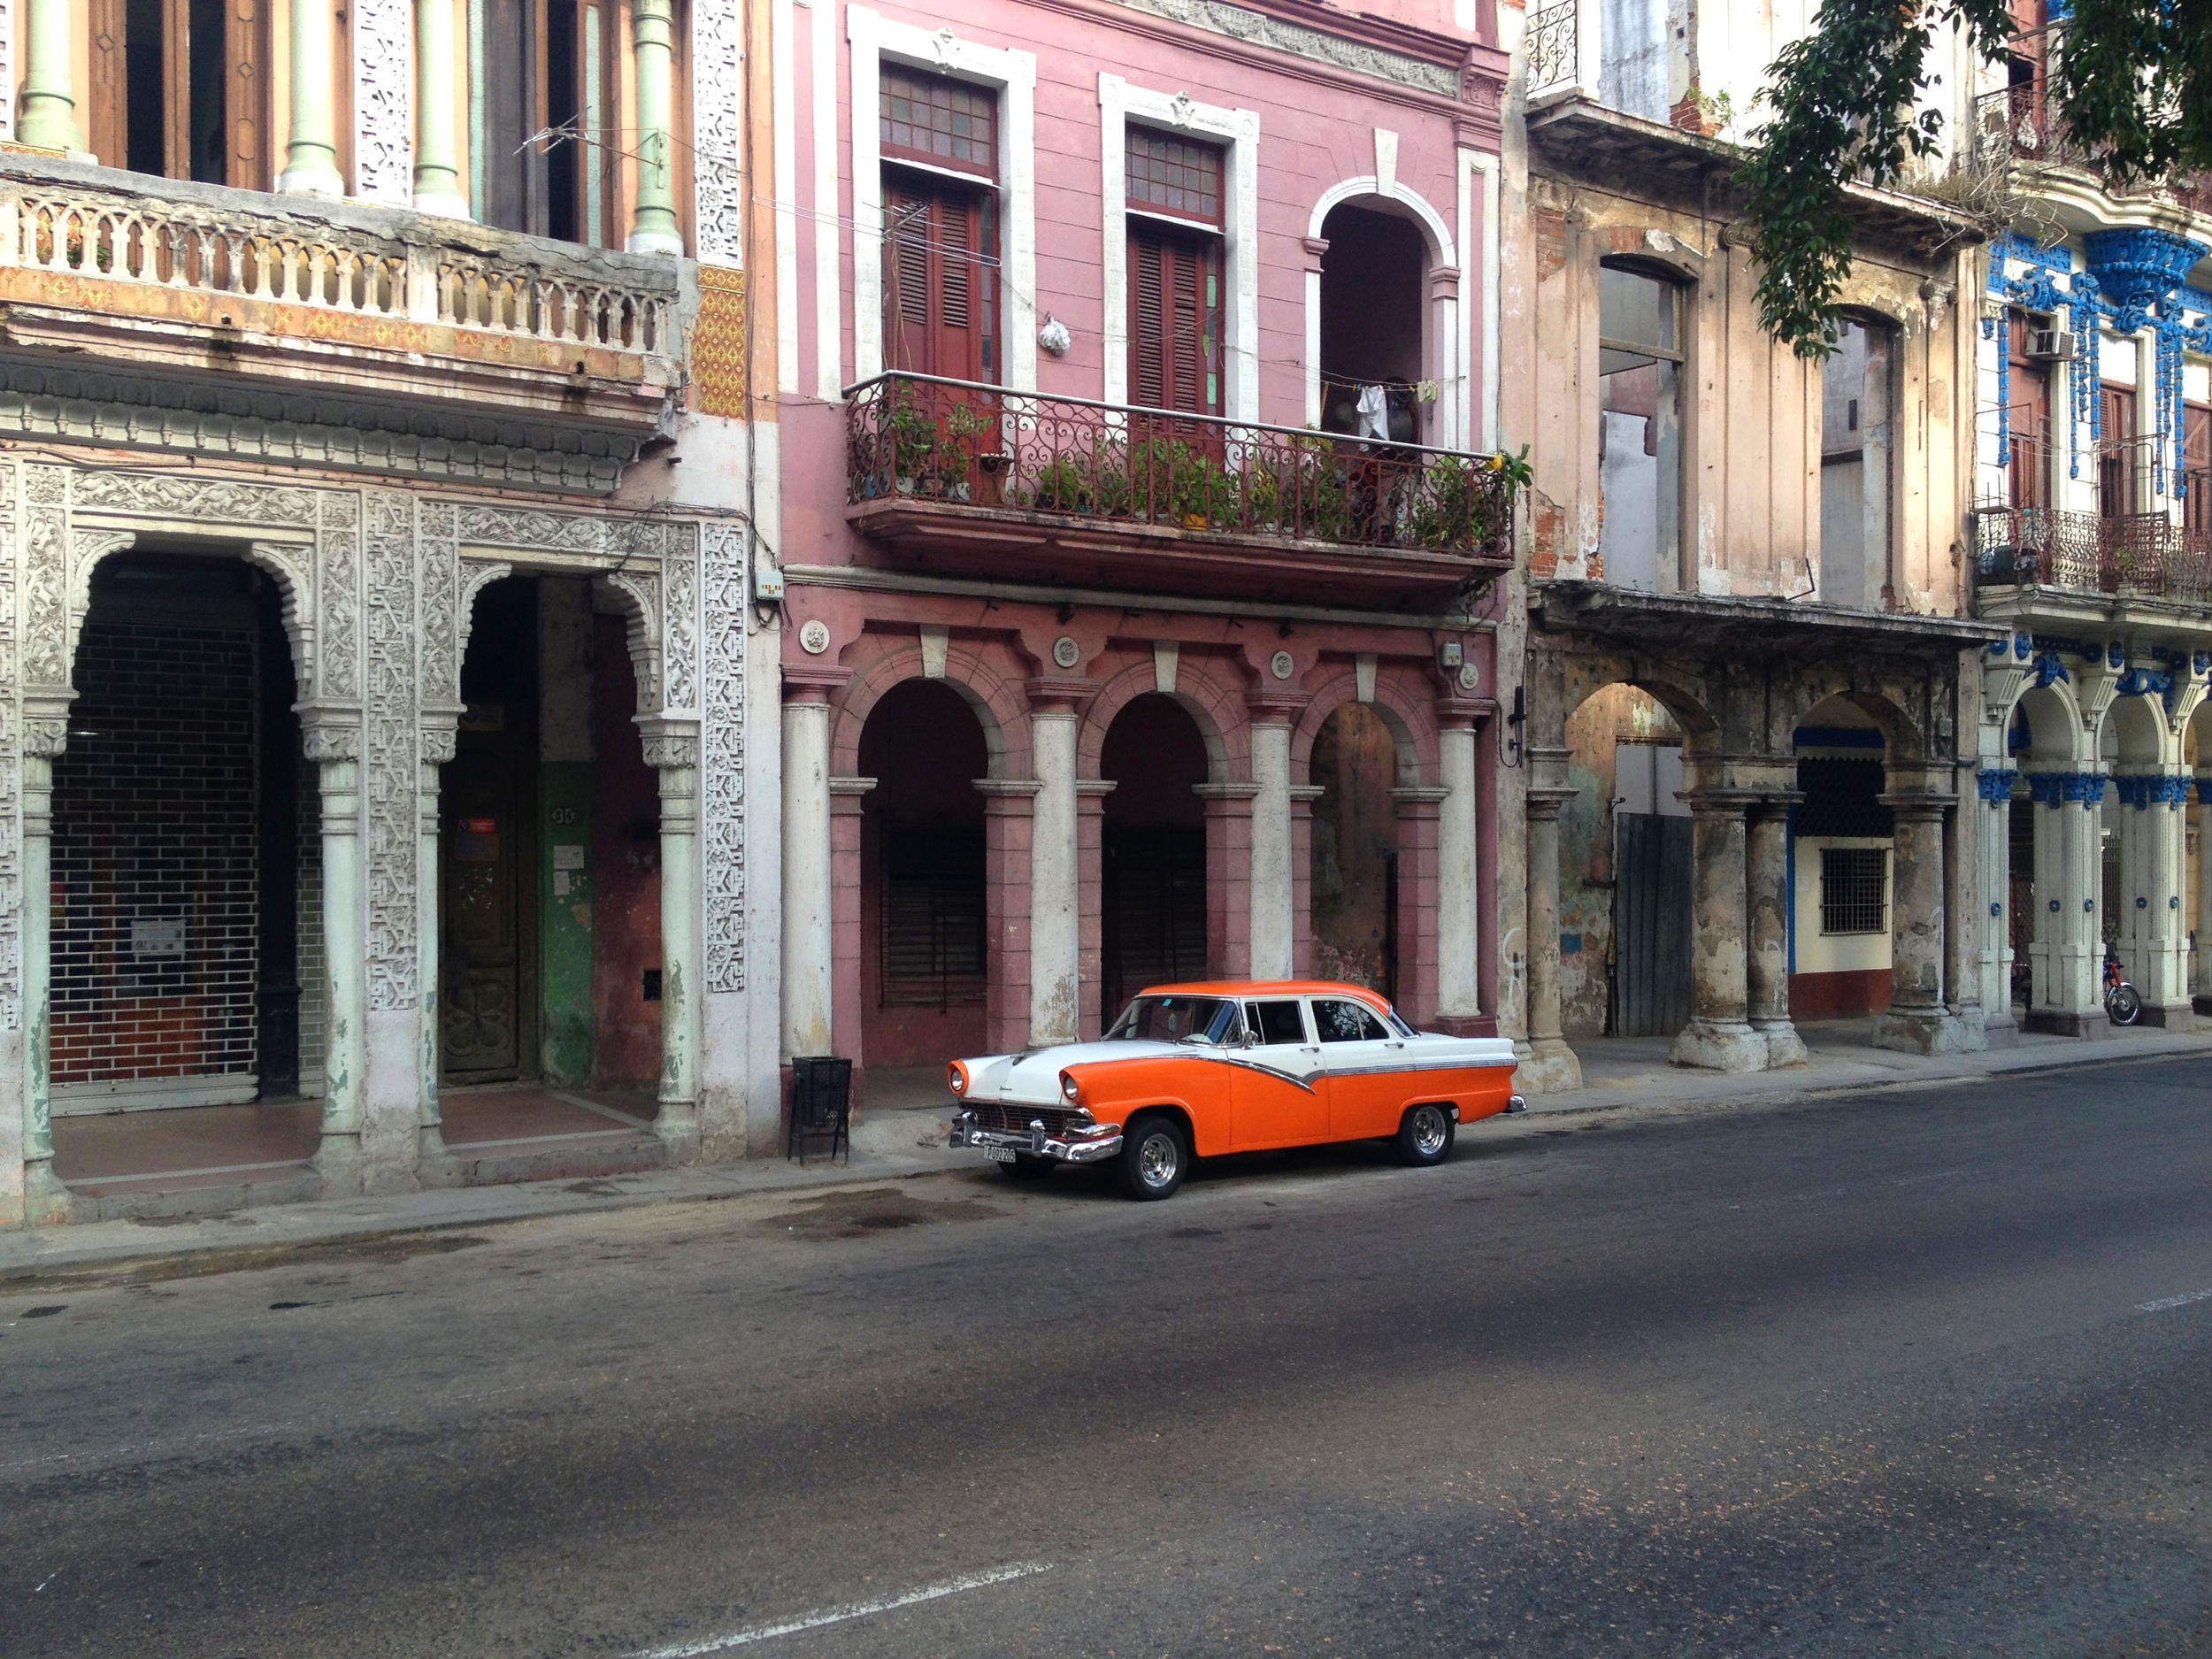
x=1609, y=718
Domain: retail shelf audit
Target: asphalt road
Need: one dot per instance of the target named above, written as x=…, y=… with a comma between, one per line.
x=1918, y=1373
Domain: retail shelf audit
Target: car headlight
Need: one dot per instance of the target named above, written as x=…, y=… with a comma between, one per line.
x=1070, y=1089
x=956, y=1078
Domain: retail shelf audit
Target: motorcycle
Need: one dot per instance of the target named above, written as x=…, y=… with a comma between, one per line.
x=2123, y=1003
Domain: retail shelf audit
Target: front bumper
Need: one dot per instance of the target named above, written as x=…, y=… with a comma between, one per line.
x=1038, y=1144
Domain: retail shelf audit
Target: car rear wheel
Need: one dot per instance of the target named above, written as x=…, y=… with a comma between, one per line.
x=1028, y=1167
x=1425, y=1134
x=1154, y=1158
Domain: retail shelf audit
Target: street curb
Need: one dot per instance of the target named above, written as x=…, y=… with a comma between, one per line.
x=319, y=1230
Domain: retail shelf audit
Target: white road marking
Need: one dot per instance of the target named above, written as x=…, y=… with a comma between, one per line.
x=2164, y=1302
x=851, y=1609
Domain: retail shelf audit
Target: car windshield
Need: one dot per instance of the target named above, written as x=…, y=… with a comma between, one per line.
x=1176, y=1020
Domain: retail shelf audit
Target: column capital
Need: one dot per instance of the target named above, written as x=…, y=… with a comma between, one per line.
x=46, y=719
x=329, y=733
x=1995, y=784
x=1095, y=788
x=1058, y=694
x=1722, y=802
x=1774, y=803
x=669, y=744
x=995, y=790
x=1225, y=792
x=2066, y=789
x=1306, y=794
x=2144, y=790
x=1461, y=713
x=1276, y=705
x=813, y=682
x=1920, y=805
x=1545, y=804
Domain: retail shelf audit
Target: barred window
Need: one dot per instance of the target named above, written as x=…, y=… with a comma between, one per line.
x=1853, y=881
x=1174, y=175
x=937, y=119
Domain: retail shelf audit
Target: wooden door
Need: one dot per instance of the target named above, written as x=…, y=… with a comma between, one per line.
x=480, y=955
x=2117, y=494
x=1651, y=925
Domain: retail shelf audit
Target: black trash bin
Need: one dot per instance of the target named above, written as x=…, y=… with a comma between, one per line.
x=821, y=1105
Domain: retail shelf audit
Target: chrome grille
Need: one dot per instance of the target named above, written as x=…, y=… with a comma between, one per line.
x=1013, y=1117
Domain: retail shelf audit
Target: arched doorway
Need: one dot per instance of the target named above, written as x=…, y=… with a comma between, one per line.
x=185, y=852
x=1355, y=883
x=1623, y=870
x=1153, y=852
x=925, y=963
x=1373, y=315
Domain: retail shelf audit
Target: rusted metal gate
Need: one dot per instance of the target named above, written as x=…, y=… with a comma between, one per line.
x=1651, y=925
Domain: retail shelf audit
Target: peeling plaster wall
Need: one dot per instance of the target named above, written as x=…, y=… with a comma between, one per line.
x=1611, y=717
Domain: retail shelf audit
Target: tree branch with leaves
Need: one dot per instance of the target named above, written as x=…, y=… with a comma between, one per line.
x=2133, y=79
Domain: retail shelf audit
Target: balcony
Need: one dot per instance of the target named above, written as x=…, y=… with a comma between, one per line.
x=2134, y=556
x=375, y=337
x=986, y=482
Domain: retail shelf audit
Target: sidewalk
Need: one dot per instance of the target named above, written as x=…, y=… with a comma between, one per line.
x=903, y=1138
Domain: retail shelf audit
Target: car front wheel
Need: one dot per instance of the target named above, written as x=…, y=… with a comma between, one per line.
x=1154, y=1158
x=1425, y=1134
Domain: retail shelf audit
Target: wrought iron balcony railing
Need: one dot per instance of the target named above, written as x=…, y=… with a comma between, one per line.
x=2141, y=555
x=2023, y=123
x=919, y=438
x=1555, y=46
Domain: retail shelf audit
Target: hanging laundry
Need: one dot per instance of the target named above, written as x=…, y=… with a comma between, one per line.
x=1374, y=413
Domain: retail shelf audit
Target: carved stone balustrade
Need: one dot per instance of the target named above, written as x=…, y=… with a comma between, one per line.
x=159, y=313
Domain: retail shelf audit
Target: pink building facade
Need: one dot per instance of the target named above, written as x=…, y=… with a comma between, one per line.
x=1136, y=363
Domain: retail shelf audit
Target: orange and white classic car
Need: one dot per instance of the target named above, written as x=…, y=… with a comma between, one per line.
x=1195, y=1070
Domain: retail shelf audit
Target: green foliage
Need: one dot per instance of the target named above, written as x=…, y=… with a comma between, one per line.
x=2133, y=79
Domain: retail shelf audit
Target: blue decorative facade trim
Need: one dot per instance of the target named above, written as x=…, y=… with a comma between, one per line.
x=2063, y=789
x=1996, y=784
x=2149, y=682
x=2143, y=791
x=2048, y=668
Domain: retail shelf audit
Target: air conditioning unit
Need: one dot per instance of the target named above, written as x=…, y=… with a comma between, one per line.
x=2050, y=345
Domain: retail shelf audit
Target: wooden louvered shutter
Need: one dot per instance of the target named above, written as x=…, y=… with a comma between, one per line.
x=1174, y=321
x=938, y=292
x=2196, y=495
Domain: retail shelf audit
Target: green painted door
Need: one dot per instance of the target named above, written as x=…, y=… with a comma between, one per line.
x=480, y=944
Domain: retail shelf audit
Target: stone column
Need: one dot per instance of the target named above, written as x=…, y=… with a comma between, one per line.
x=438, y=728
x=2203, y=997
x=1992, y=825
x=1228, y=808
x=2069, y=950
x=1719, y=1034
x=672, y=749
x=847, y=814
x=311, y=155
x=1551, y=1066
x=45, y=734
x=1767, y=951
x=653, y=226
x=1917, y=1021
x=335, y=745
x=1090, y=860
x=1055, y=931
x=437, y=157
x=807, y=940
x=1458, y=931
x=2153, y=862
x=47, y=117
x=1009, y=822
x=1272, y=896
x=1302, y=795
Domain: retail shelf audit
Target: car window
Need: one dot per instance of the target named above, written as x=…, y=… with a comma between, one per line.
x=1341, y=1020
x=1276, y=1022
x=1176, y=1019
x=1398, y=1024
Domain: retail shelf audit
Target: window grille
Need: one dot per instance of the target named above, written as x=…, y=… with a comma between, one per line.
x=1174, y=175
x=1852, y=883
x=937, y=119
x=933, y=920
x=1842, y=798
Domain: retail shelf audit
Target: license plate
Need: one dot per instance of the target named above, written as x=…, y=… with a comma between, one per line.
x=997, y=1155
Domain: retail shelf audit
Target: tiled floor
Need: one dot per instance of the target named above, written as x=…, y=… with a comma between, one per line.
x=111, y=1153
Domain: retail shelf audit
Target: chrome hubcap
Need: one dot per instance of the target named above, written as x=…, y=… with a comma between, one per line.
x=1156, y=1160
x=1428, y=1131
